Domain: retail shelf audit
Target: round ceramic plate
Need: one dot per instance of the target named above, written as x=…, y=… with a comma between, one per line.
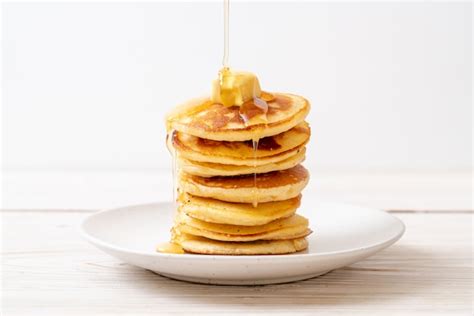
x=343, y=234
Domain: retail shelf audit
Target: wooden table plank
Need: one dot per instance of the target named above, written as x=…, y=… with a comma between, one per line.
x=49, y=270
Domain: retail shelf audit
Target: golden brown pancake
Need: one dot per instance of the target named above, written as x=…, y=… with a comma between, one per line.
x=205, y=169
x=291, y=228
x=240, y=230
x=215, y=211
x=207, y=246
x=269, y=149
x=218, y=122
x=280, y=234
x=266, y=187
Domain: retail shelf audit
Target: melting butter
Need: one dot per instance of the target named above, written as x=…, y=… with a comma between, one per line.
x=235, y=87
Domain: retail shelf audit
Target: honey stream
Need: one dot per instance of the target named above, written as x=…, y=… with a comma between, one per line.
x=255, y=185
x=225, y=60
x=173, y=245
x=253, y=109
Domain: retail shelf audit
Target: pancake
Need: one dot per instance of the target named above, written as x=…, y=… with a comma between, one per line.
x=270, y=149
x=279, y=234
x=203, y=245
x=194, y=156
x=205, y=169
x=202, y=118
x=239, y=230
x=266, y=187
x=294, y=227
x=215, y=211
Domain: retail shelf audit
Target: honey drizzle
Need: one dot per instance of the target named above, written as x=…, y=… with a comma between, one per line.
x=258, y=106
x=172, y=246
x=246, y=112
x=174, y=166
x=255, y=188
x=225, y=60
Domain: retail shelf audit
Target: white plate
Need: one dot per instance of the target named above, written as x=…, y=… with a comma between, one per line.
x=343, y=234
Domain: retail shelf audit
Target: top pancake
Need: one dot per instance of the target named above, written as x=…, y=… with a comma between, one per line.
x=204, y=119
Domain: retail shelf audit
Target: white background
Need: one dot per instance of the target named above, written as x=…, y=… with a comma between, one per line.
x=86, y=85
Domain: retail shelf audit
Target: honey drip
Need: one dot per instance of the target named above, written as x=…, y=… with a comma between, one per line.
x=225, y=60
x=257, y=107
x=253, y=111
x=255, y=187
x=172, y=246
x=174, y=166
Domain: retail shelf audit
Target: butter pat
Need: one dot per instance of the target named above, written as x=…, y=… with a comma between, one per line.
x=235, y=88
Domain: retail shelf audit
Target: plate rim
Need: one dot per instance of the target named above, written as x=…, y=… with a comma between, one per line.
x=293, y=256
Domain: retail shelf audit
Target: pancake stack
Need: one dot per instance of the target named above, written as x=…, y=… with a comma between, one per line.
x=239, y=177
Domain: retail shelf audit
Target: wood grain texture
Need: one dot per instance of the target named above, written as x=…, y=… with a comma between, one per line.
x=49, y=270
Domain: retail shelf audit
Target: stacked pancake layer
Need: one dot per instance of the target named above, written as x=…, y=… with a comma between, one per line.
x=240, y=177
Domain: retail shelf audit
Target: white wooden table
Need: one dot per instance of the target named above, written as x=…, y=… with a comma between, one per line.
x=49, y=270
